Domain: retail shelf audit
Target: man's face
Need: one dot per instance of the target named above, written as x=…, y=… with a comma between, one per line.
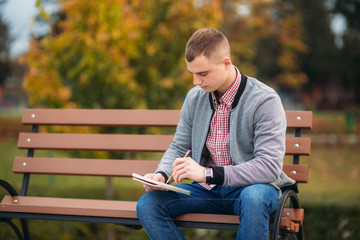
x=210, y=76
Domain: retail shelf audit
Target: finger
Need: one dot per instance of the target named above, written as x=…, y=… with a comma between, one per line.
x=181, y=163
x=159, y=177
x=181, y=174
x=177, y=162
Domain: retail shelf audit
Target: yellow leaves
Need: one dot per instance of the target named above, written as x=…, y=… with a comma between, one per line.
x=84, y=78
x=45, y=87
x=167, y=83
x=287, y=60
x=64, y=94
x=116, y=53
x=42, y=11
x=292, y=80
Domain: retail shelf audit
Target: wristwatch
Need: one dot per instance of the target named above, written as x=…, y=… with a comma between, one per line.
x=208, y=174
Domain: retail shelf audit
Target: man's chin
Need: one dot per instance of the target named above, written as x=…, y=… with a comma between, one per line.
x=206, y=89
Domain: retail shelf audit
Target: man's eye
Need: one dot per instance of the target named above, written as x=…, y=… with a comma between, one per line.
x=203, y=74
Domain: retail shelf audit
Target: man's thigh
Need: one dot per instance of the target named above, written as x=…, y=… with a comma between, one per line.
x=201, y=200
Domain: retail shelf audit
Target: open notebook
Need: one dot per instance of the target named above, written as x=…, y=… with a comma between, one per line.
x=157, y=184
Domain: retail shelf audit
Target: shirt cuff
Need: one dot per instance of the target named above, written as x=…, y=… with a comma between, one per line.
x=218, y=176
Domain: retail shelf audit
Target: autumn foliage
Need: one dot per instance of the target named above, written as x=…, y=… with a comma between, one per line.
x=130, y=54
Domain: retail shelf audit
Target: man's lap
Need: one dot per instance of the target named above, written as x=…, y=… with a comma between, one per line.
x=219, y=200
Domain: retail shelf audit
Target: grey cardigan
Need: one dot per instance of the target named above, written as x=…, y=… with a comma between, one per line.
x=256, y=130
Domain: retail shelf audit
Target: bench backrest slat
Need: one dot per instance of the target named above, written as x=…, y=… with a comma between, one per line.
x=299, y=119
x=300, y=173
x=298, y=145
x=88, y=167
x=95, y=142
x=124, y=117
x=112, y=167
x=101, y=117
x=124, y=142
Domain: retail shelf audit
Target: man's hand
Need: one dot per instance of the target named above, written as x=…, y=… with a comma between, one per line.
x=157, y=177
x=187, y=168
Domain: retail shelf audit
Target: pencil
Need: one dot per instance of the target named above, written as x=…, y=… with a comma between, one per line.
x=171, y=176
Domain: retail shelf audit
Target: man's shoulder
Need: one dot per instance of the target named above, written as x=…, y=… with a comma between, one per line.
x=257, y=85
x=197, y=94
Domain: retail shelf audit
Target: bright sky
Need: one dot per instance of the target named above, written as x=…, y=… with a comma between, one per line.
x=19, y=13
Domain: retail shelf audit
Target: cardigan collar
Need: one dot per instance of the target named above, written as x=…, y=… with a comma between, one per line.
x=238, y=94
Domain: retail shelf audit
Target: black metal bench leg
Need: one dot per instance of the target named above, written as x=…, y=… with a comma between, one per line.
x=25, y=229
x=300, y=234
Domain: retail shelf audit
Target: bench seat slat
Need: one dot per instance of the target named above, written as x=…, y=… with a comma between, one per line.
x=288, y=225
x=113, y=167
x=124, y=142
x=101, y=208
x=296, y=215
x=95, y=142
x=69, y=206
x=101, y=117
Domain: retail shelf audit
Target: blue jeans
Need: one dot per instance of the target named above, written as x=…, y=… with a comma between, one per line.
x=253, y=204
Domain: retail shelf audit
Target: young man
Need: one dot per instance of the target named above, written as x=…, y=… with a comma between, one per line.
x=235, y=127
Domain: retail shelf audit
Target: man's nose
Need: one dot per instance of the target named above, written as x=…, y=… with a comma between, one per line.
x=197, y=80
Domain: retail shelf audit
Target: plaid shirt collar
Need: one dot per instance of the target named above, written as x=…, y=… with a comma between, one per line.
x=229, y=95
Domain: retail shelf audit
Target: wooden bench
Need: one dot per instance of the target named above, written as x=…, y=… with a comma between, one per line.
x=286, y=223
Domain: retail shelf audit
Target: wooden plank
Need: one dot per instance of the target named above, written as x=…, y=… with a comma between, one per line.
x=130, y=117
x=295, y=215
x=299, y=119
x=87, y=167
x=285, y=223
x=300, y=173
x=288, y=225
x=208, y=218
x=101, y=117
x=298, y=145
x=113, y=167
x=124, y=142
x=95, y=142
x=67, y=206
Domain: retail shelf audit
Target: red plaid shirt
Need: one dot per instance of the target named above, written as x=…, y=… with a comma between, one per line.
x=217, y=140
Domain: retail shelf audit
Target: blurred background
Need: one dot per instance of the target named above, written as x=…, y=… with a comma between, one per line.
x=130, y=54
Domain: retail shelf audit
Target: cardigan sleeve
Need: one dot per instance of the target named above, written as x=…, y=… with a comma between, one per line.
x=268, y=129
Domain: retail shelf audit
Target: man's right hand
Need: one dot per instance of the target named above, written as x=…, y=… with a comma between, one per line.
x=154, y=176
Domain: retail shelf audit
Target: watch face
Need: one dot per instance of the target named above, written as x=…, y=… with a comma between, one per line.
x=208, y=172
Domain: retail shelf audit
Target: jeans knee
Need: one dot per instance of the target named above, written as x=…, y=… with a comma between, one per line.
x=258, y=197
x=143, y=205
x=149, y=204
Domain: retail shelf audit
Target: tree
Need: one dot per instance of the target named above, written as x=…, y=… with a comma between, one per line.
x=116, y=54
x=266, y=40
x=4, y=53
x=349, y=70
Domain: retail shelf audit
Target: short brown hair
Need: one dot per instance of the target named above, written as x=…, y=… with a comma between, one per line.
x=208, y=41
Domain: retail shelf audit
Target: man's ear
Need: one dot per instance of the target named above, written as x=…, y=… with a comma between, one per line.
x=227, y=62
